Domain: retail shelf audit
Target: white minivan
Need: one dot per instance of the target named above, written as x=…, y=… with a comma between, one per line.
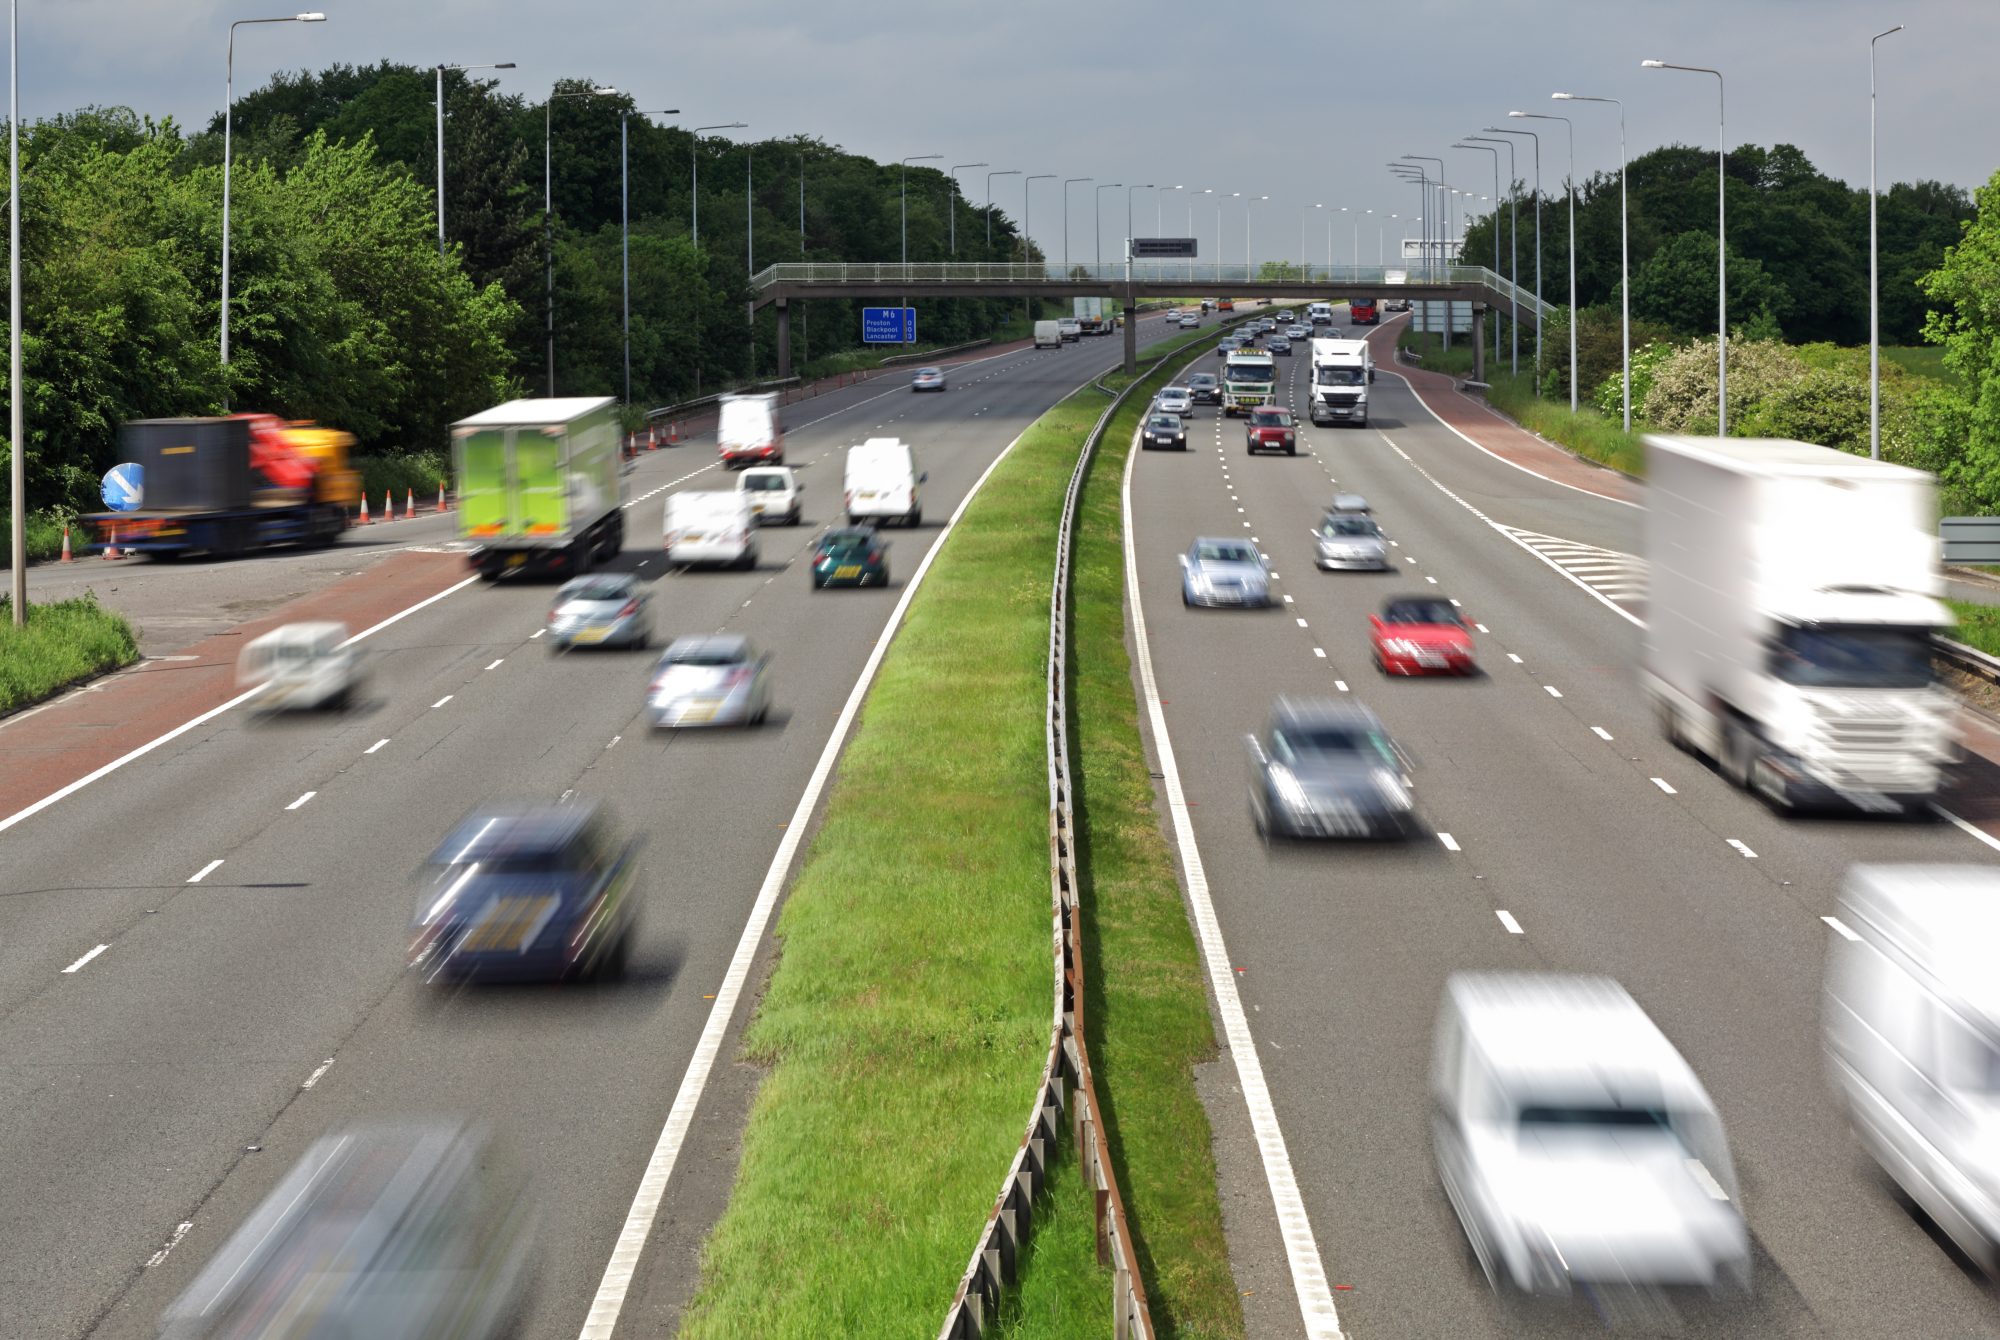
x=710, y=529
x=774, y=492
x=1048, y=335
x=882, y=483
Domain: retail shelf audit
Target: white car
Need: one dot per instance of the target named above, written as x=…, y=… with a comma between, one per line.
x=1072, y=330
x=1190, y=322
x=301, y=666
x=928, y=379
x=774, y=492
x=1175, y=400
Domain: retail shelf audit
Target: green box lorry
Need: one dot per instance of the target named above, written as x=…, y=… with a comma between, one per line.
x=539, y=486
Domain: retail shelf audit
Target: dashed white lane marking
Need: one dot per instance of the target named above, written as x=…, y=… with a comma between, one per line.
x=78, y=965
x=301, y=800
x=1839, y=928
x=314, y=1078
x=1967, y=828
x=1320, y=652
x=180, y=1231
x=203, y=873
x=1288, y=600
x=1553, y=691
x=1432, y=580
x=377, y=745
x=1480, y=626
x=1743, y=849
x=1340, y=684
x=1450, y=842
x=496, y=665
x=1302, y=623
x=1665, y=786
x=1600, y=732
x=442, y=701
x=614, y=742
x=539, y=631
x=1507, y=920
x=1512, y=657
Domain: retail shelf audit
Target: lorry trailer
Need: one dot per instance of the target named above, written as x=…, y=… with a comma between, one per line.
x=539, y=486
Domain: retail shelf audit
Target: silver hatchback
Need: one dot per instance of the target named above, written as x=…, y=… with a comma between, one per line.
x=1352, y=541
x=1224, y=572
x=716, y=680
x=605, y=609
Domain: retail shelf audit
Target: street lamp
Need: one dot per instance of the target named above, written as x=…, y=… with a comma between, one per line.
x=1302, y=240
x=1159, y=209
x=1570, y=129
x=503, y=65
x=1513, y=244
x=1028, y=209
x=955, y=169
x=1067, y=183
x=913, y=158
x=1233, y=195
x=1010, y=172
x=1721, y=234
x=1142, y=186
x=1097, y=216
x=694, y=176
x=17, y=460
x=1874, y=296
x=1249, y=203
x=228, y=108
x=625, y=231
x=1484, y=148
x=1624, y=251
x=1496, y=130
x=548, y=217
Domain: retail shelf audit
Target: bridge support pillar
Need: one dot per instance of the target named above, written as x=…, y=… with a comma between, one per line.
x=1478, y=341
x=1131, y=339
x=784, y=307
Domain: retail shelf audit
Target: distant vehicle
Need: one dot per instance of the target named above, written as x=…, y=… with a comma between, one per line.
x=301, y=666
x=1249, y=379
x=1575, y=1144
x=1270, y=429
x=1279, y=344
x=1297, y=331
x=1072, y=329
x=1163, y=430
x=391, y=1231
x=604, y=609
x=1204, y=388
x=1421, y=635
x=1190, y=322
x=1219, y=571
x=1285, y=317
x=1341, y=373
x=1267, y=324
x=1048, y=335
x=539, y=488
x=1362, y=312
x=1328, y=769
x=774, y=492
x=1351, y=541
x=1175, y=400
x=1225, y=305
x=531, y=893
x=747, y=431
x=712, y=680
x=714, y=529
x=1320, y=313
x=928, y=379
x=1396, y=305
x=882, y=483
x=1912, y=1027
x=1348, y=502
x=1207, y=306
x=1227, y=345
x=850, y=556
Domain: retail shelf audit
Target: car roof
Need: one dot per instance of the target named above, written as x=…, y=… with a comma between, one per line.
x=848, y=533
x=724, y=644
x=1577, y=1033
x=1290, y=710
x=1417, y=598
x=1222, y=539
x=316, y=632
x=1941, y=917
x=593, y=578
x=1348, y=502
x=501, y=831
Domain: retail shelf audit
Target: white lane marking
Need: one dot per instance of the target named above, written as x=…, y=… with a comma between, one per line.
x=496, y=664
x=301, y=800
x=1340, y=684
x=1294, y=1224
x=1457, y=605
x=1450, y=842
x=539, y=631
x=1507, y=920
x=1302, y=623
x=442, y=701
x=1965, y=827
x=614, y=742
x=211, y=714
x=1600, y=732
x=1432, y=580
x=1665, y=786
x=76, y=966
x=1512, y=657
x=203, y=873
x=602, y=1320
x=313, y=1078
x=180, y=1231
x=1288, y=600
x=1320, y=652
x=377, y=745
x=1480, y=626
x=1553, y=691
x=1743, y=849
x=1839, y=928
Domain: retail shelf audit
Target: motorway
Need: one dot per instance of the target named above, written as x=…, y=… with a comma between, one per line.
x=1565, y=835
x=232, y=909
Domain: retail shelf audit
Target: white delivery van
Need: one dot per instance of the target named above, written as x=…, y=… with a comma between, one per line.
x=747, y=431
x=711, y=529
x=1320, y=313
x=774, y=492
x=882, y=482
x=1048, y=335
x=301, y=667
x=1912, y=1026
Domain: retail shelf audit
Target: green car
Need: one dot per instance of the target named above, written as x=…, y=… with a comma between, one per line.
x=850, y=556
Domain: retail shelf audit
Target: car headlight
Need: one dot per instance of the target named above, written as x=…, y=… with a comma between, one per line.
x=1286, y=787
x=1392, y=789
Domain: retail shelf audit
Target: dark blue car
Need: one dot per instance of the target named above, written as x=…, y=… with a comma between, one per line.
x=541, y=893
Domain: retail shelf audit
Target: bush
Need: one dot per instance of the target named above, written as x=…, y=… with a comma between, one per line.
x=1589, y=434
x=45, y=532
x=404, y=472
x=63, y=642
x=1599, y=349
x=1822, y=405
x=1646, y=360
x=1681, y=398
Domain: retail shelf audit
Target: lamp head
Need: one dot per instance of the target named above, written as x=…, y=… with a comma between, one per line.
x=312, y=16
x=605, y=92
x=504, y=65
x=1563, y=97
x=1652, y=65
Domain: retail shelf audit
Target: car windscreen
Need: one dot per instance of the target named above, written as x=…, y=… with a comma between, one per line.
x=1173, y=393
x=709, y=656
x=1165, y=423
x=1271, y=418
x=1202, y=379
x=1829, y=657
x=609, y=588
x=1349, y=525
x=842, y=546
x=1420, y=611
x=764, y=483
x=1324, y=741
x=1225, y=553
x=1545, y=1119
x=929, y=372
x=1338, y=376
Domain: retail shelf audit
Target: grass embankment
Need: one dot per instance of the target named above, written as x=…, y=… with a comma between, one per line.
x=1978, y=626
x=63, y=642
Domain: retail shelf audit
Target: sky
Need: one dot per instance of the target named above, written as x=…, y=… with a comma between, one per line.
x=1304, y=103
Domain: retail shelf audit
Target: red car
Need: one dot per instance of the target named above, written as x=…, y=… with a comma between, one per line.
x=1422, y=635
x=1271, y=429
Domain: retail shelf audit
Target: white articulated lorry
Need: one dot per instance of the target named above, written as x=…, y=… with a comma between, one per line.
x=1341, y=372
x=1793, y=590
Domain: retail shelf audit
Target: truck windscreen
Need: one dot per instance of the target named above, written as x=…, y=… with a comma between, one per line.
x=1253, y=373
x=1830, y=657
x=1329, y=376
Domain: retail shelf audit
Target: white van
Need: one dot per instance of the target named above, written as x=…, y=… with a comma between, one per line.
x=710, y=529
x=774, y=492
x=1320, y=314
x=301, y=667
x=881, y=482
x=747, y=431
x=1048, y=335
x=1912, y=1027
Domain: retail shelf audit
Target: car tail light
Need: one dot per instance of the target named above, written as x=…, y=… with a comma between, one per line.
x=554, y=614
x=874, y=555
x=628, y=609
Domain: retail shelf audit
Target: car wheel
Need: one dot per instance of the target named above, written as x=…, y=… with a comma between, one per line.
x=616, y=959
x=1291, y=451
x=917, y=517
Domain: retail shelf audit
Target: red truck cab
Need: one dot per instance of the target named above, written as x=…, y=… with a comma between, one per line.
x=1271, y=429
x=1363, y=311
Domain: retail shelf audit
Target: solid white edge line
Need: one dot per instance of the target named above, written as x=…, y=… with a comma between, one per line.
x=1322, y=1322
x=1965, y=827
x=301, y=800
x=602, y=1319
x=78, y=965
x=377, y=745
x=1839, y=928
x=207, y=870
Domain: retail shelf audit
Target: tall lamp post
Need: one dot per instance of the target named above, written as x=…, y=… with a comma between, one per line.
x=1097, y=214
x=1142, y=186
x=17, y=471
x=1624, y=247
x=1249, y=203
x=1028, y=209
x=228, y=109
x=1067, y=183
x=1569, y=128
x=625, y=231
x=694, y=175
x=913, y=158
x=956, y=168
x=1721, y=235
x=1010, y=172
x=503, y=65
x=1482, y=148
x=548, y=219
x=1496, y=130
x=1874, y=295
x=1513, y=243
x=1160, y=208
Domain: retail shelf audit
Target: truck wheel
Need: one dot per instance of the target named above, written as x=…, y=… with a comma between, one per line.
x=1739, y=752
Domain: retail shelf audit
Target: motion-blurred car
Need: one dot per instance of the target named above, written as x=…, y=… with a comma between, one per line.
x=1574, y=1142
x=1271, y=429
x=1227, y=345
x=1421, y=635
x=716, y=679
x=391, y=1231
x=301, y=667
x=1224, y=571
x=852, y=556
x=928, y=379
x=534, y=893
x=1175, y=400
x=1163, y=431
x=774, y=492
x=1352, y=541
x=1072, y=329
x=1190, y=322
x=1396, y=305
x=1204, y=388
x=1348, y=502
x=1279, y=344
x=1326, y=768
x=1267, y=324
x=604, y=609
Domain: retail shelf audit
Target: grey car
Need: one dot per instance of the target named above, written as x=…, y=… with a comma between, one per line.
x=1223, y=571
x=1348, y=502
x=606, y=609
x=713, y=680
x=1227, y=345
x=1165, y=431
x=1280, y=345
x=1327, y=769
x=1204, y=388
x=1351, y=540
x=1176, y=400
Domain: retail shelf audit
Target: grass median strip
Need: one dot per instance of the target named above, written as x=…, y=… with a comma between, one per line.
x=63, y=642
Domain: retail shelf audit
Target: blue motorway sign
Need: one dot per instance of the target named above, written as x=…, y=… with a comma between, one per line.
x=888, y=325
x=124, y=487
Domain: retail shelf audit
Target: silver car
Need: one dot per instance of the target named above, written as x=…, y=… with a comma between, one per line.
x=1327, y=768
x=605, y=609
x=713, y=680
x=1348, y=502
x=928, y=379
x=1224, y=571
x=1352, y=541
x=1300, y=332
x=1175, y=400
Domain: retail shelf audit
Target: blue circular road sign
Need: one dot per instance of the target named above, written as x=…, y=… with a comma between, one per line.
x=124, y=487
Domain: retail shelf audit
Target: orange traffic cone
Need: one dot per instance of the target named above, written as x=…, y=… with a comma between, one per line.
x=111, y=549
x=65, y=553
x=441, y=506
x=364, y=519
x=388, y=505
x=409, y=503
x=674, y=433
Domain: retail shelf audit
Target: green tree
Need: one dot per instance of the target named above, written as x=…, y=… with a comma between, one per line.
x=1676, y=286
x=1966, y=287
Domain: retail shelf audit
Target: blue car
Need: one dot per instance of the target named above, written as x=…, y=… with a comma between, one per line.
x=538, y=893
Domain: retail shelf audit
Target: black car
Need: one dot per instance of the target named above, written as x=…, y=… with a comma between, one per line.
x=1163, y=430
x=1206, y=388
x=1278, y=344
